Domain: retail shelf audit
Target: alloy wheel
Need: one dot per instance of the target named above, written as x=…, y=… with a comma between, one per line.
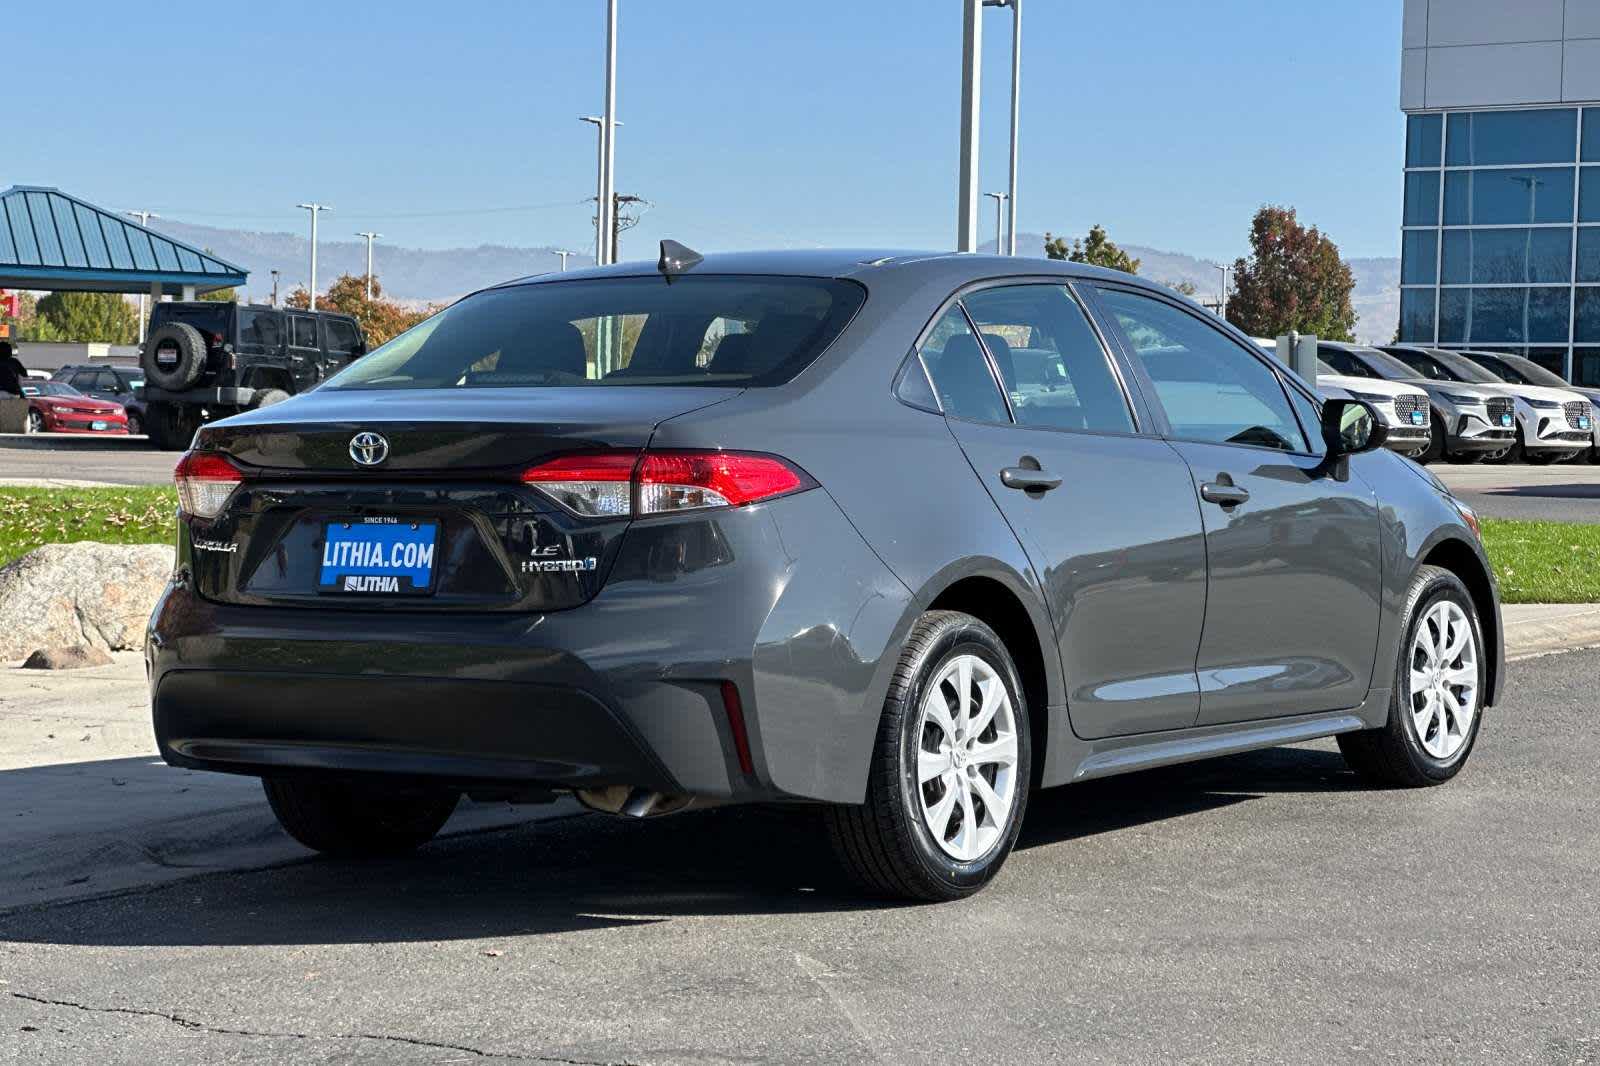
x=1444, y=679
x=35, y=422
x=967, y=758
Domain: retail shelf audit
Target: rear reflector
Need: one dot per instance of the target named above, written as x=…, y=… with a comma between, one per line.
x=205, y=481
x=664, y=482
x=741, y=739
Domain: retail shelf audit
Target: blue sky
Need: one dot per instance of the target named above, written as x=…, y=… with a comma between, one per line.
x=747, y=123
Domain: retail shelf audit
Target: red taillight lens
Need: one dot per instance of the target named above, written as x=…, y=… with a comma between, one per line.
x=604, y=483
x=205, y=481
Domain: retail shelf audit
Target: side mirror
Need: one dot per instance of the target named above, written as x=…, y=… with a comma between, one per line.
x=1350, y=427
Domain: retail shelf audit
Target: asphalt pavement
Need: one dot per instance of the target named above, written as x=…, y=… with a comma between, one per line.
x=1564, y=492
x=64, y=458
x=1262, y=907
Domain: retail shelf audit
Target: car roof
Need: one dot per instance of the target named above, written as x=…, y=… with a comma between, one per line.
x=860, y=264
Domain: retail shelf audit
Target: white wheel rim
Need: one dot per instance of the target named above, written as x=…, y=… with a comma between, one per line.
x=967, y=758
x=1444, y=679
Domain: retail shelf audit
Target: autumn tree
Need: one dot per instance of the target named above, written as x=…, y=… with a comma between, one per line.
x=1096, y=250
x=381, y=320
x=102, y=317
x=1294, y=279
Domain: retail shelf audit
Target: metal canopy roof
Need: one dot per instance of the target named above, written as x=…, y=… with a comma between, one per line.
x=50, y=240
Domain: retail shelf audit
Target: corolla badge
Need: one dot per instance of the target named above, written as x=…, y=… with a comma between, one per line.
x=368, y=449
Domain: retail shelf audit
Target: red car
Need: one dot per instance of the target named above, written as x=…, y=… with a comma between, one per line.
x=57, y=408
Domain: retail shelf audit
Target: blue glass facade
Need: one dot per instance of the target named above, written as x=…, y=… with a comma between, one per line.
x=1501, y=245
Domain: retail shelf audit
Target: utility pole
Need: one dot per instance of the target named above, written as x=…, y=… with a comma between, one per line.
x=1222, y=304
x=144, y=218
x=1000, y=199
x=370, y=238
x=617, y=218
x=971, y=62
x=599, y=184
x=563, y=253
x=314, y=209
x=608, y=132
x=274, y=288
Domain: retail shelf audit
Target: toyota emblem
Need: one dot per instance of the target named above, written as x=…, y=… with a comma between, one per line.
x=368, y=449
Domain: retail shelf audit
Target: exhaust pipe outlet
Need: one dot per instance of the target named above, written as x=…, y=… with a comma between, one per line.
x=630, y=802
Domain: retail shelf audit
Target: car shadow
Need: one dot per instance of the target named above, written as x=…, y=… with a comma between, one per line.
x=586, y=872
x=1564, y=491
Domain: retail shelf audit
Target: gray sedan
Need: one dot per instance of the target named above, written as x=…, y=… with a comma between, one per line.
x=902, y=537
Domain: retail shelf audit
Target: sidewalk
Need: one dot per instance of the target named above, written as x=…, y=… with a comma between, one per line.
x=1542, y=628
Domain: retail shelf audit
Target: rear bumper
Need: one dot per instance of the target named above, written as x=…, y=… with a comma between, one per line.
x=625, y=690
x=219, y=396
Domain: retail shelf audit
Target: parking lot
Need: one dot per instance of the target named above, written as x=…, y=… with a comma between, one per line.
x=1263, y=907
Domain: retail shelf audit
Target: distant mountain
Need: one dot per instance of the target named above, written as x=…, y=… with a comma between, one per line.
x=1376, y=297
x=410, y=275
x=425, y=275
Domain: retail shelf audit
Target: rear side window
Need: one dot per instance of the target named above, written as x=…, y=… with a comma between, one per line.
x=1212, y=388
x=261, y=329
x=699, y=330
x=341, y=335
x=960, y=371
x=1053, y=366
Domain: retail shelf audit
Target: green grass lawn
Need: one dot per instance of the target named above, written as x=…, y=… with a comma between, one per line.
x=32, y=517
x=1544, y=562
x=1536, y=562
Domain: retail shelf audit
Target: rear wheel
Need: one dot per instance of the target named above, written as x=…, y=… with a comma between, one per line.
x=171, y=426
x=950, y=772
x=349, y=818
x=268, y=397
x=1436, y=705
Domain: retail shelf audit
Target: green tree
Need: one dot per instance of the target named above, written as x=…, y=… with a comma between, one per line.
x=85, y=316
x=1185, y=287
x=221, y=296
x=1293, y=280
x=1096, y=250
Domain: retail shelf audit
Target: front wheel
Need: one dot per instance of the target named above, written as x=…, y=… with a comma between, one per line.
x=360, y=819
x=950, y=772
x=35, y=423
x=1436, y=705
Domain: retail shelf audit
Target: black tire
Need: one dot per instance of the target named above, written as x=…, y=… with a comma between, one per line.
x=884, y=844
x=358, y=819
x=1517, y=453
x=1438, y=447
x=268, y=397
x=135, y=424
x=1542, y=458
x=174, y=356
x=35, y=423
x=1392, y=755
x=171, y=426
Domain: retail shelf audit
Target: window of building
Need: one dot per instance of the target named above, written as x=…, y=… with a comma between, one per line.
x=1586, y=367
x=1419, y=253
x=1586, y=318
x=1422, y=140
x=1422, y=199
x=1507, y=197
x=1507, y=256
x=1591, y=135
x=1052, y=363
x=1588, y=254
x=1416, y=316
x=1503, y=315
x=1498, y=138
x=1589, y=195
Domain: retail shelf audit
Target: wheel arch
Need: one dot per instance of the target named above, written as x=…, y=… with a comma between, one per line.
x=1467, y=563
x=998, y=605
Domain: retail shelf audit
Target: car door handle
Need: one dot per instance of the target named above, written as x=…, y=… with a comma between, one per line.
x=1028, y=480
x=1225, y=495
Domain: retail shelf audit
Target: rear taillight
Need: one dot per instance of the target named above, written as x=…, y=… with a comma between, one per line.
x=205, y=481
x=664, y=482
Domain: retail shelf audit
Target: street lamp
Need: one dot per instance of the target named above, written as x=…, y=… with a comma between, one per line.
x=601, y=229
x=370, y=238
x=971, y=89
x=315, y=209
x=563, y=253
x=608, y=134
x=1000, y=199
x=1016, y=93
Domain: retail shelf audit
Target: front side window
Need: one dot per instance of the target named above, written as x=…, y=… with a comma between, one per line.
x=1212, y=388
x=1425, y=365
x=1053, y=366
x=960, y=371
x=740, y=331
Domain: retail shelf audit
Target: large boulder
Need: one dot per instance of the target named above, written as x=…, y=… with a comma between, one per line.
x=86, y=593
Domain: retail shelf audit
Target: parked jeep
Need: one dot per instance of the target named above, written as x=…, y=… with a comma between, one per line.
x=205, y=360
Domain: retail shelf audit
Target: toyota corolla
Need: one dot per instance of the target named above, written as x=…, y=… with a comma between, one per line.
x=903, y=537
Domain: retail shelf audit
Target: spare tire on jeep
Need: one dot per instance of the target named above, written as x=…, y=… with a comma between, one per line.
x=174, y=356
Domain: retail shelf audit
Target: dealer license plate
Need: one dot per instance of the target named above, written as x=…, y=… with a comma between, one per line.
x=1416, y=418
x=379, y=556
x=97, y=425
x=1505, y=420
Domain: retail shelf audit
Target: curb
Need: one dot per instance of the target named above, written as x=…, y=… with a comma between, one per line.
x=1546, y=628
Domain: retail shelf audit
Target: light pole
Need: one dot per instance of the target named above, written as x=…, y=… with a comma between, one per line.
x=1222, y=304
x=1016, y=94
x=971, y=64
x=1000, y=199
x=563, y=253
x=608, y=134
x=315, y=209
x=370, y=238
x=274, y=288
x=601, y=238
x=144, y=218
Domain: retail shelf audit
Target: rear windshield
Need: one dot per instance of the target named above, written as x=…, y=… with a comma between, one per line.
x=715, y=330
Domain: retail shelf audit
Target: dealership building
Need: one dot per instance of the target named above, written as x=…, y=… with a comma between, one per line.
x=1500, y=248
